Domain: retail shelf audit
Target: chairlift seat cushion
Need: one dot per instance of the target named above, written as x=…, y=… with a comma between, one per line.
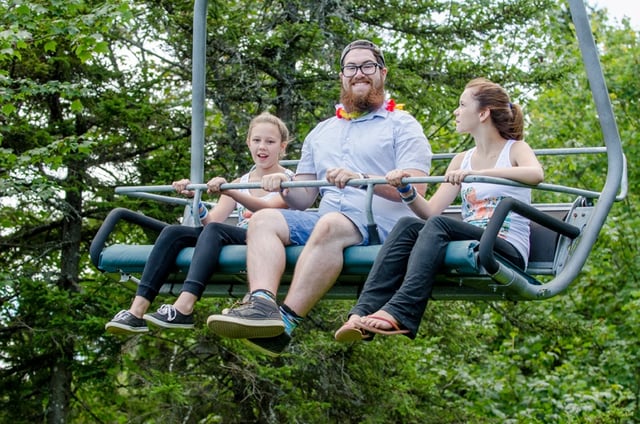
x=130, y=259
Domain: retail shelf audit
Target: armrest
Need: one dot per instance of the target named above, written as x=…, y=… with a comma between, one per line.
x=100, y=239
x=487, y=241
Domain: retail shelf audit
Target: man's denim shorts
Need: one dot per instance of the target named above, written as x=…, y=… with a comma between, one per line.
x=301, y=225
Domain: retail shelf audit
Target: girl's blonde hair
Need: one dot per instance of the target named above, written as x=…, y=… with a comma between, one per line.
x=268, y=118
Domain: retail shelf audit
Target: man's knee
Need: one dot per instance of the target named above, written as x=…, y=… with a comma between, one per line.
x=264, y=218
x=334, y=226
x=267, y=221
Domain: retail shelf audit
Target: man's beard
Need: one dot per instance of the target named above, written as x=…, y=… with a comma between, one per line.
x=359, y=103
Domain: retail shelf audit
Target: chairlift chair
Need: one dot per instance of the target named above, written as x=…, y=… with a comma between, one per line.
x=562, y=234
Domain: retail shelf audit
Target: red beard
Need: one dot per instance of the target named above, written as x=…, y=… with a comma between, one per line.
x=358, y=103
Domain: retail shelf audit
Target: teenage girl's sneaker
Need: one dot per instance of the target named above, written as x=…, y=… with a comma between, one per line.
x=168, y=316
x=124, y=322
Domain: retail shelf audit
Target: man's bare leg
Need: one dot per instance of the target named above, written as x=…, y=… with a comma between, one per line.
x=185, y=303
x=258, y=315
x=320, y=262
x=317, y=268
x=267, y=236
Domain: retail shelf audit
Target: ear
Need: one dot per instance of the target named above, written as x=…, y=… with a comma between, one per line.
x=485, y=114
x=283, y=149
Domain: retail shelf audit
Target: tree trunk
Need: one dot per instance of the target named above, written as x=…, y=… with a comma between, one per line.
x=60, y=386
x=61, y=374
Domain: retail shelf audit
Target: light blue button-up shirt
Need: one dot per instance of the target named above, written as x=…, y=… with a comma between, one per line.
x=372, y=144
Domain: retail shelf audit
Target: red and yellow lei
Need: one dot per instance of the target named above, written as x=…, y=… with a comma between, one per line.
x=390, y=105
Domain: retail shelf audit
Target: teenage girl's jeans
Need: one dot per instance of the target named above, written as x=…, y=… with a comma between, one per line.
x=402, y=277
x=208, y=242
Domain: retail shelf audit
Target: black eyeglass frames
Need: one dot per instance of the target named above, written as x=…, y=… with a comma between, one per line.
x=368, y=68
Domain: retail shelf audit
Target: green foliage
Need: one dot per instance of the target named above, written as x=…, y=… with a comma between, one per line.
x=96, y=94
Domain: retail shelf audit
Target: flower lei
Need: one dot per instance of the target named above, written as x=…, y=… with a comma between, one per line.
x=390, y=105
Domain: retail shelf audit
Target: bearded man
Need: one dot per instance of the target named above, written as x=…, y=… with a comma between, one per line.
x=367, y=138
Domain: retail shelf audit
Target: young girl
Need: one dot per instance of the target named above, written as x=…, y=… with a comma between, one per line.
x=399, y=285
x=267, y=140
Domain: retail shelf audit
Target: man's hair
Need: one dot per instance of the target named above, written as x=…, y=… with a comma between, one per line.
x=363, y=44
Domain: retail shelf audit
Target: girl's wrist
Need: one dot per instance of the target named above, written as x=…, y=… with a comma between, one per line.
x=202, y=210
x=288, y=180
x=411, y=197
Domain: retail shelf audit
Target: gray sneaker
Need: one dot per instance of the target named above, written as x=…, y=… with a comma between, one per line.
x=168, y=316
x=124, y=322
x=254, y=317
x=271, y=346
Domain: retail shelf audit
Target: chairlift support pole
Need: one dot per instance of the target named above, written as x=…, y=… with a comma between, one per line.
x=198, y=92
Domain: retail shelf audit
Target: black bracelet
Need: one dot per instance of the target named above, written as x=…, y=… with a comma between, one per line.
x=410, y=199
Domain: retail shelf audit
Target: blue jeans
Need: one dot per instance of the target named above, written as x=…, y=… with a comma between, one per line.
x=208, y=242
x=402, y=276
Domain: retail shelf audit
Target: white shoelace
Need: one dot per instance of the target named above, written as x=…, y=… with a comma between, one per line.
x=168, y=310
x=122, y=315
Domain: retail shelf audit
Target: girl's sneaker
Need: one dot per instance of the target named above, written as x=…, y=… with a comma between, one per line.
x=168, y=316
x=124, y=322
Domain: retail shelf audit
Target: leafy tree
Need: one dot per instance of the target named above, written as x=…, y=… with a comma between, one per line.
x=96, y=95
x=72, y=117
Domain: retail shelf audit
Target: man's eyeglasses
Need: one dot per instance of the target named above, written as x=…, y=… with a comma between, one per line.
x=368, y=68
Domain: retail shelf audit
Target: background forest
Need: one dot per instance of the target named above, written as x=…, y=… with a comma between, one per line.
x=96, y=94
